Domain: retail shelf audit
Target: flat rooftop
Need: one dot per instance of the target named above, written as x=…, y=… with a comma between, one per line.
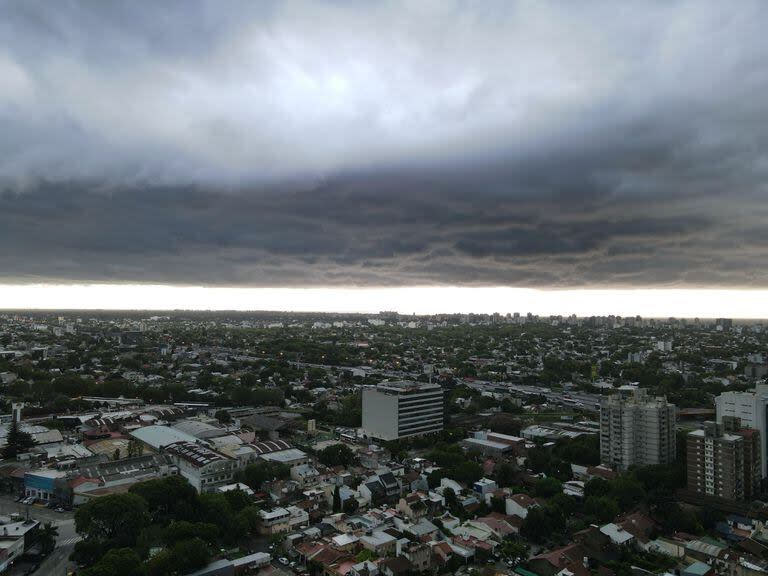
x=407, y=386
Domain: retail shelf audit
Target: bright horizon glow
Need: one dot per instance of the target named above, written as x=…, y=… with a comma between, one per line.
x=660, y=303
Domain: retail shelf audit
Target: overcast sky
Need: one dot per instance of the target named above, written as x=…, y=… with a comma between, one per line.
x=526, y=144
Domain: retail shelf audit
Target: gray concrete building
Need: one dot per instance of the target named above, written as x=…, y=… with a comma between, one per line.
x=393, y=410
x=636, y=430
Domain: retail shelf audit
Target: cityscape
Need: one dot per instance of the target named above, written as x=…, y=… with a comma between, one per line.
x=205, y=443
x=383, y=288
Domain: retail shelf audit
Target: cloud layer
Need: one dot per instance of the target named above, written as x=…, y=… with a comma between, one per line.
x=328, y=143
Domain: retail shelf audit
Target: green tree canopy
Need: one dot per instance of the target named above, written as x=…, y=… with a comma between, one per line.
x=254, y=475
x=17, y=441
x=117, y=562
x=116, y=518
x=337, y=455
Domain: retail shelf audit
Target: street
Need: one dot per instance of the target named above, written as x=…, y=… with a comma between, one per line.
x=57, y=563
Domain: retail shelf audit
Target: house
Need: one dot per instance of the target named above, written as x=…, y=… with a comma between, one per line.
x=485, y=486
x=698, y=569
x=366, y=568
x=412, y=507
x=379, y=542
x=498, y=525
x=306, y=475
x=518, y=505
x=473, y=529
x=618, y=536
x=420, y=555
x=567, y=559
x=397, y=566
x=380, y=488
x=281, y=519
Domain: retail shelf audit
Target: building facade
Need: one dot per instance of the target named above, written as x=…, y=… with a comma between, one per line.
x=751, y=408
x=203, y=468
x=723, y=460
x=393, y=410
x=636, y=430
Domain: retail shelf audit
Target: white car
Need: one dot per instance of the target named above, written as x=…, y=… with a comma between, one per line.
x=283, y=560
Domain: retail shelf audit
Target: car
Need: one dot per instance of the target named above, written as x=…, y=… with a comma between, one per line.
x=59, y=510
x=283, y=560
x=293, y=564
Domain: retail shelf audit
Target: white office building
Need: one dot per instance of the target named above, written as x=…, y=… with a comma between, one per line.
x=393, y=410
x=751, y=408
x=636, y=429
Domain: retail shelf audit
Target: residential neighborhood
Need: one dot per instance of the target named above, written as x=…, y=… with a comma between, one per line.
x=205, y=445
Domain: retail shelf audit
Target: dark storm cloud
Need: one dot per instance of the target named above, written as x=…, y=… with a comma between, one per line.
x=332, y=143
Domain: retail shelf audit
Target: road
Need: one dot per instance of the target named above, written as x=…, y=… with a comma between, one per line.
x=57, y=563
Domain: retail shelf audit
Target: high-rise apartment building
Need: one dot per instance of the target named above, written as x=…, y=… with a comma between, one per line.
x=636, y=429
x=723, y=460
x=752, y=409
x=393, y=410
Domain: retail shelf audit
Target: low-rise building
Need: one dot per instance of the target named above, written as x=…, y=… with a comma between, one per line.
x=204, y=469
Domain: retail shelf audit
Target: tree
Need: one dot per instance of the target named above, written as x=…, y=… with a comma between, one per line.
x=216, y=508
x=514, y=551
x=238, y=499
x=434, y=478
x=537, y=526
x=603, y=508
x=337, y=455
x=584, y=450
x=248, y=520
x=350, y=506
x=117, y=562
x=505, y=475
x=88, y=551
x=547, y=487
x=17, y=441
x=46, y=537
x=450, y=498
x=498, y=505
x=467, y=472
x=116, y=518
x=254, y=475
x=596, y=487
x=135, y=448
x=366, y=555
x=183, y=530
x=627, y=492
x=190, y=555
x=505, y=424
x=223, y=416
x=168, y=498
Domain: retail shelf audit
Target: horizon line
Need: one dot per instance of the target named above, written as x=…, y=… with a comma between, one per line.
x=650, y=302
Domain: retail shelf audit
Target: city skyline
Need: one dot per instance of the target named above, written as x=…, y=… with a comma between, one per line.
x=333, y=146
x=425, y=300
